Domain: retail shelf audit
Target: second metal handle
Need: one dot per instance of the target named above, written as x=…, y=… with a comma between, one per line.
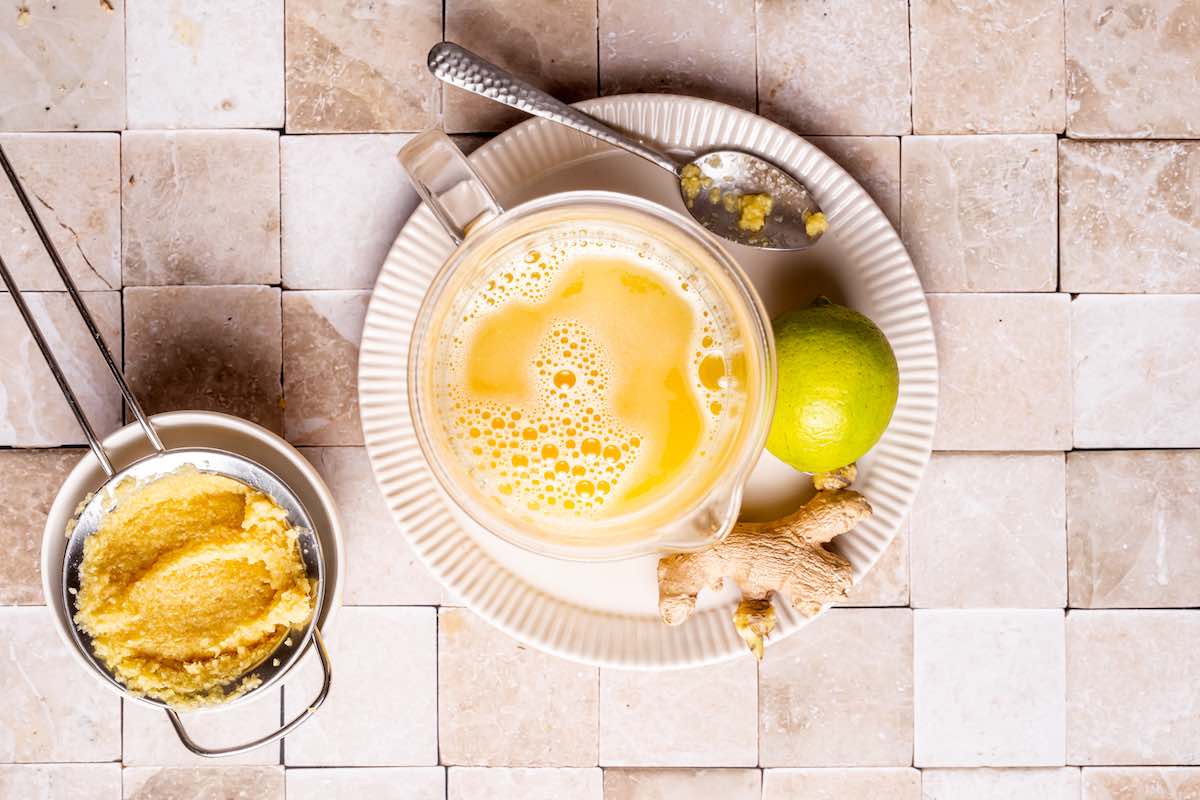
x=460, y=67
x=274, y=736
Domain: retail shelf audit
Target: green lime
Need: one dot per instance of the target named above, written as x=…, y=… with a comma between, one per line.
x=838, y=383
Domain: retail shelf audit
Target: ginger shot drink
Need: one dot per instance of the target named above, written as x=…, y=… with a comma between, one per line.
x=593, y=385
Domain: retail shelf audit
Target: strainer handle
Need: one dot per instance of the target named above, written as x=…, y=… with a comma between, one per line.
x=301, y=718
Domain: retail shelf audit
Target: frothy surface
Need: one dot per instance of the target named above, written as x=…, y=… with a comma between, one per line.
x=585, y=381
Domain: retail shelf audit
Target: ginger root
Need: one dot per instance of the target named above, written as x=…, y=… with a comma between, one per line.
x=763, y=558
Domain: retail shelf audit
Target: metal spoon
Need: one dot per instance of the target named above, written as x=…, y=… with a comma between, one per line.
x=714, y=185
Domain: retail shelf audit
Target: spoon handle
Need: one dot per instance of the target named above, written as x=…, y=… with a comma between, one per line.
x=460, y=67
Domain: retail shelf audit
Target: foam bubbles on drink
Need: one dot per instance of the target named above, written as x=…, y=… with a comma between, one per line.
x=565, y=452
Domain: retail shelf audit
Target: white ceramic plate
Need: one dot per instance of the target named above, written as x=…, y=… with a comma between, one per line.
x=607, y=613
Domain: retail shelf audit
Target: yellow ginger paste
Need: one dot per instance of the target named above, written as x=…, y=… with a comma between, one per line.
x=189, y=582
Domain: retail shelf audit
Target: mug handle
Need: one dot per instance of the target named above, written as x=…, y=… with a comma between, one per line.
x=446, y=181
x=274, y=736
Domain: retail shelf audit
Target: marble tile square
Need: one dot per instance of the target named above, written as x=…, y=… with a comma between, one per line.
x=873, y=161
x=345, y=199
x=1000, y=784
x=704, y=49
x=1135, y=379
x=29, y=480
x=981, y=212
x=149, y=740
x=201, y=783
x=321, y=332
x=383, y=568
x=670, y=784
x=361, y=67
x=74, y=182
x=850, y=77
x=64, y=65
x=492, y=783
x=871, y=783
x=216, y=64
x=984, y=67
x=1132, y=67
x=61, y=781
x=839, y=693
x=35, y=412
x=1133, y=528
x=552, y=45
x=990, y=688
x=212, y=348
x=385, y=668
x=887, y=582
x=1131, y=676
x=664, y=719
x=200, y=207
x=53, y=710
x=990, y=529
x=1004, y=371
x=1140, y=783
x=1133, y=535
x=369, y=783
x=488, y=682
x=1129, y=220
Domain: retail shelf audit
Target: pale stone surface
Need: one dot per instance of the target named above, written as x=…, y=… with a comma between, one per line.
x=367, y=783
x=982, y=67
x=345, y=199
x=552, y=45
x=200, y=207
x=887, y=582
x=321, y=331
x=704, y=49
x=1130, y=216
x=840, y=692
x=149, y=740
x=34, y=412
x=825, y=68
x=989, y=688
x=203, y=783
x=1131, y=680
x=29, y=480
x=1132, y=68
x=666, y=718
x=1004, y=371
x=486, y=684
x=212, y=348
x=74, y=183
x=1000, y=784
x=677, y=784
x=60, y=781
x=1136, y=382
x=1141, y=783
x=361, y=67
x=490, y=783
x=216, y=64
x=873, y=161
x=989, y=529
x=894, y=783
x=64, y=66
x=382, y=568
x=385, y=663
x=981, y=212
x=52, y=710
x=1133, y=531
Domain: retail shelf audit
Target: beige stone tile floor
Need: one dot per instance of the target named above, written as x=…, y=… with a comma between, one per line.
x=220, y=179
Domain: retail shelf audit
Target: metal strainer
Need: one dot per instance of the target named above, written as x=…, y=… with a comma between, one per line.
x=159, y=463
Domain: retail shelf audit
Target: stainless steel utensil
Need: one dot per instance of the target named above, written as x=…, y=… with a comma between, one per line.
x=162, y=462
x=710, y=183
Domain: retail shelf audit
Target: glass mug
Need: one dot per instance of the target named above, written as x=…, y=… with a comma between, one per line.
x=474, y=454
